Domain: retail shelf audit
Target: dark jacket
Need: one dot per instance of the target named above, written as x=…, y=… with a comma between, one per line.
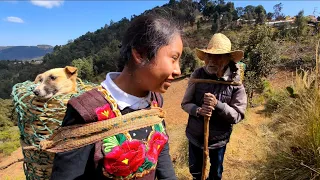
x=80, y=163
x=232, y=102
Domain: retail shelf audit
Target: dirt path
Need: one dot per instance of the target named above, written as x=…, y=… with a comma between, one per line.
x=15, y=171
x=247, y=148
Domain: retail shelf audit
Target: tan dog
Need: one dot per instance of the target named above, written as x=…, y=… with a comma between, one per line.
x=56, y=81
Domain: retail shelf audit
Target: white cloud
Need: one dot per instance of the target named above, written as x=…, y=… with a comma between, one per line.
x=47, y=3
x=14, y=19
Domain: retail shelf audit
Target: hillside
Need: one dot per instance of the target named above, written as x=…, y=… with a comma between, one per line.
x=24, y=52
x=98, y=51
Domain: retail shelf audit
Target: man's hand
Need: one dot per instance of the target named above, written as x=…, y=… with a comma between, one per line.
x=210, y=102
x=205, y=110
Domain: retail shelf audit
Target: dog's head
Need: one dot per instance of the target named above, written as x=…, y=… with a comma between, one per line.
x=56, y=81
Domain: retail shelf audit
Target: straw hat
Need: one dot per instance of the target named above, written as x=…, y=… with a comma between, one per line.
x=220, y=44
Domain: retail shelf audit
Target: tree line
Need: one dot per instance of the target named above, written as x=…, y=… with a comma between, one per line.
x=96, y=53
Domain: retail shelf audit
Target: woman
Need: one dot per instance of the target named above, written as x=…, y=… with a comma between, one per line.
x=225, y=104
x=151, y=50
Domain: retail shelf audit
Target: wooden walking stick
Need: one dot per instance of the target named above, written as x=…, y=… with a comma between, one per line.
x=206, y=159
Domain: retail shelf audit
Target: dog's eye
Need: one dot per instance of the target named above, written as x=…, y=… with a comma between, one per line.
x=53, y=78
x=41, y=80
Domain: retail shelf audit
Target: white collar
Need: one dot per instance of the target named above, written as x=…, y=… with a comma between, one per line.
x=122, y=98
x=227, y=74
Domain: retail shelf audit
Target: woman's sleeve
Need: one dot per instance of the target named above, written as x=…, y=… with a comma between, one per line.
x=165, y=170
x=74, y=164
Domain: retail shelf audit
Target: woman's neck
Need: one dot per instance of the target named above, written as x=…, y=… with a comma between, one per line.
x=127, y=83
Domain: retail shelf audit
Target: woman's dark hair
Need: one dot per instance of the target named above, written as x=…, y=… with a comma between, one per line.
x=146, y=34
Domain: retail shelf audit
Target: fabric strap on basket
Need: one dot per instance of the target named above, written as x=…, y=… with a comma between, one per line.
x=76, y=136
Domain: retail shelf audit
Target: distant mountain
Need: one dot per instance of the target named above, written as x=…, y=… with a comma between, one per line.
x=24, y=52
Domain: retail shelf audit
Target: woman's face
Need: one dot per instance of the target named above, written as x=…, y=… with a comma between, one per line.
x=157, y=75
x=215, y=64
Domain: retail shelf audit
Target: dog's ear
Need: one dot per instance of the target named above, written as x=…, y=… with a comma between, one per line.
x=71, y=70
x=37, y=78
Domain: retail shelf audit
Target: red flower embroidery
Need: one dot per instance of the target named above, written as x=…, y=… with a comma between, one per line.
x=156, y=144
x=125, y=159
x=154, y=103
x=105, y=112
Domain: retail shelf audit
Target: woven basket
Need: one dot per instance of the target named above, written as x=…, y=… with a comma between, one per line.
x=37, y=120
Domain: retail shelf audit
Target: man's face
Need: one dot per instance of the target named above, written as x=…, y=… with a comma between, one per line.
x=216, y=63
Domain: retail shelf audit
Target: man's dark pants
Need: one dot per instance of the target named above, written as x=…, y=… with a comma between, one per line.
x=196, y=159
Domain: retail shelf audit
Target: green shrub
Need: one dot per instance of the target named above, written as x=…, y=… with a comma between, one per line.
x=9, y=139
x=261, y=56
x=6, y=119
x=274, y=100
x=189, y=61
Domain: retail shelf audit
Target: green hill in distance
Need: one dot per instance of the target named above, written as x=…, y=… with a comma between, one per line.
x=24, y=52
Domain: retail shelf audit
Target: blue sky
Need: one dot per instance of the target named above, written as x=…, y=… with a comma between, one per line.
x=27, y=22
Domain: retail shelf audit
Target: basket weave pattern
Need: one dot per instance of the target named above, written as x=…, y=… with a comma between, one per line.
x=37, y=121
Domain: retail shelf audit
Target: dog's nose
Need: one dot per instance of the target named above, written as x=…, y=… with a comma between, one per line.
x=36, y=92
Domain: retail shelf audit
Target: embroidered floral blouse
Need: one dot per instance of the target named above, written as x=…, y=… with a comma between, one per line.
x=137, y=154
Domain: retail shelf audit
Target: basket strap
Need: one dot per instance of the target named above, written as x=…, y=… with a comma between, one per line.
x=76, y=136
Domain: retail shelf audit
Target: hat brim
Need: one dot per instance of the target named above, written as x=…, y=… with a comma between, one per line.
x=236, y=55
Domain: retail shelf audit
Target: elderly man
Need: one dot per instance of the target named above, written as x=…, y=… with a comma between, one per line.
x=224, y=103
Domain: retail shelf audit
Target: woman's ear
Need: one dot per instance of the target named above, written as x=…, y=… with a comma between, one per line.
x=136, y=57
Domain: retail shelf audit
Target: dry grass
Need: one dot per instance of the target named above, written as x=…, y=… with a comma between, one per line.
x=21, y=177
x=296, y=154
